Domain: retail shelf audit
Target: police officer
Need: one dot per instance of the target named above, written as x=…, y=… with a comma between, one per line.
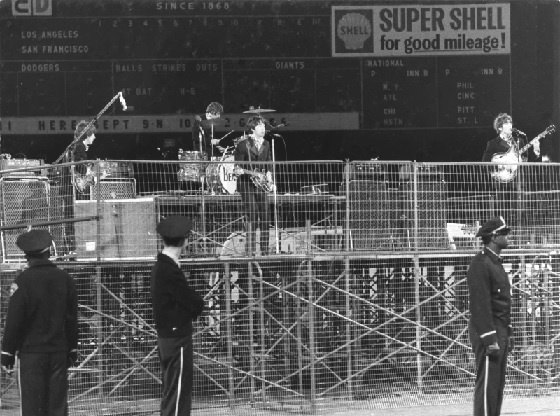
x=175, y=305
x=41, y=329
x=490, y=328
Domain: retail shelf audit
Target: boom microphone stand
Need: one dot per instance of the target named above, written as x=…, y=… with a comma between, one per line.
x=120, y=97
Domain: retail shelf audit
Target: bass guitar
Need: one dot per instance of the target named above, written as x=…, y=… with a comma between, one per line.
x=508, y=172
x=260, y=179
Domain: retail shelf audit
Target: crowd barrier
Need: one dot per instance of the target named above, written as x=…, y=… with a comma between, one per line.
x=361, y=302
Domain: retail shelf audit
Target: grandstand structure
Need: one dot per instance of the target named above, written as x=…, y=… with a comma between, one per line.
x=360, y=303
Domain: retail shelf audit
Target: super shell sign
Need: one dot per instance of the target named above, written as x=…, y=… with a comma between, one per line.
x=421, y=30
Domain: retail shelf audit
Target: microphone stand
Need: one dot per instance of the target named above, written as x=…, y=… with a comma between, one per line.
x=91, y=123
x=275, y=193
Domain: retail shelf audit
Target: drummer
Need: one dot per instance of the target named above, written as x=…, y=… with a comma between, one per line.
x=203, y=130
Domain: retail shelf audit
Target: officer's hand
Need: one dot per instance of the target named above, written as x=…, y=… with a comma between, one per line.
x=511, y=344
x=73, y=358
x=8, y=361
x=493, y=350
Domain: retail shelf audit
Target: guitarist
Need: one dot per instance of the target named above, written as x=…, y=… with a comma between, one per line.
x=75, y=153
x=507, y=137
x=257, y=210
x=507, y=192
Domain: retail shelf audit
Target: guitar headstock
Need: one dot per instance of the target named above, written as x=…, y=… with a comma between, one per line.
x=549, y=130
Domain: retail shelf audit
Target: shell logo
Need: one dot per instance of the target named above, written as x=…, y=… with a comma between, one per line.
x=354, y=29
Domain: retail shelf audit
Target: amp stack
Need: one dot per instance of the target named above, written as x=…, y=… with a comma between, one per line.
x=117, y=183
x=25, y=198
x=382, y=207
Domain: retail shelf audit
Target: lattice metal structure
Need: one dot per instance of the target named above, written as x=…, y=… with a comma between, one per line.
x=362, y=302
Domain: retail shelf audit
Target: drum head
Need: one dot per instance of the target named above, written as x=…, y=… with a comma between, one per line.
x=227, y=178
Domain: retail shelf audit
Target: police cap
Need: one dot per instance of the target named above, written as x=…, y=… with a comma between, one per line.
x=174, y=227
x=494, y=226
x=34, y=241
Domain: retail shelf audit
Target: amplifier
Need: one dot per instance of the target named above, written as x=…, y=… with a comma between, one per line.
x=11, y=164
x=114, y=188
x=23, y=200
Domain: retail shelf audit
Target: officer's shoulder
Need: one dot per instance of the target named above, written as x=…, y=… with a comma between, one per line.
x=479, y=257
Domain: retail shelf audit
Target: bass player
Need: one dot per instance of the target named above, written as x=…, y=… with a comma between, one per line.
x=250, y=175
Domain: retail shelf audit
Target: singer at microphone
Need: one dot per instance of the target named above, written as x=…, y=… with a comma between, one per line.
x=509, y=136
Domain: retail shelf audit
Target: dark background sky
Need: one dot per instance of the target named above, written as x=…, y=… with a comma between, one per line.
x=534, y=83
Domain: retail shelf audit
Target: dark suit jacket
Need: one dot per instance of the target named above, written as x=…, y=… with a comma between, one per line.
x=175, y=304
x=79, y=154
x=42, y=311
x=246, y=151
x=499, y=145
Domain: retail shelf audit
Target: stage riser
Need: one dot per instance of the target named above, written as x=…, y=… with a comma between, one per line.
x=127, y=229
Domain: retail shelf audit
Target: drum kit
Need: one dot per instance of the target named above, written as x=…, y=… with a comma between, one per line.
x=218, y=175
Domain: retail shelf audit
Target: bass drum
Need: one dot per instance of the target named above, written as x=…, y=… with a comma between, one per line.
x=220, y=176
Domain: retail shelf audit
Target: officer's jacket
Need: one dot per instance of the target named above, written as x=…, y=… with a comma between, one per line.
x=42, y=311
x=489, y=296
x=175, y=303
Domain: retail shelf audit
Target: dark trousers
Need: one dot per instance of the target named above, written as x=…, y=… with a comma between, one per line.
x=44, y=384
x=176, y=356
x=490, y=375
x=257, y=211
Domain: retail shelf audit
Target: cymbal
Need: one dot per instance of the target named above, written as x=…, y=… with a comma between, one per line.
x=213, y=122
x=253, y=110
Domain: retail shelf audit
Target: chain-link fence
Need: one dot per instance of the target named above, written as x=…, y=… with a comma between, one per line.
x=361, y=301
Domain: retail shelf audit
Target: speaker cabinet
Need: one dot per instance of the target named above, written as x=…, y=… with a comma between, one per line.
x=25, y=200
x=127, y=229
x=115, y=188
x=372, y=215
x=432, y=214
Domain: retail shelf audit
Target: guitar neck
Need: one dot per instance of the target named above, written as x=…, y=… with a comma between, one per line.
x=251, y=172
x=527, y=146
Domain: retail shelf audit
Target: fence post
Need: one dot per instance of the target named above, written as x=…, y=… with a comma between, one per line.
x=349, y=361
x=229, y=342
x=347, y=239
x=311, y=311
x=418, y=319
x=99, y=332
x=250, y=308
x=415, y=205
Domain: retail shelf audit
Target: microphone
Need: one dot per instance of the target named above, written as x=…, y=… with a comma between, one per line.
x=123, y=103
x=518, y=131
x=275, y=135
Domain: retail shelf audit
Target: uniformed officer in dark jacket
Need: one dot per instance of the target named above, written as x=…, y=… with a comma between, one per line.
x=41, y=329
x=175, y=305
x=490, y=329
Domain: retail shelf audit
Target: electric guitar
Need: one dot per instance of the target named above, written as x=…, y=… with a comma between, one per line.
x=83, y=182
x=260, y=179
x=507, y=173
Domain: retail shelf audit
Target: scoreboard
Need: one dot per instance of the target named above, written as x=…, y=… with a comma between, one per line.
x=64, y=60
